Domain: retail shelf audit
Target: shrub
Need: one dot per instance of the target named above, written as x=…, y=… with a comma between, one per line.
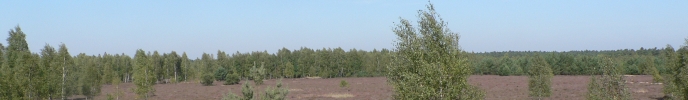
x=247, y=91
x=231, y=96
x=343, y=84
x=278, y=93
x=539, y=78
x=207, y=80
x=608, y=86
x=231, y=79
x=220, y=74
x=110, y=97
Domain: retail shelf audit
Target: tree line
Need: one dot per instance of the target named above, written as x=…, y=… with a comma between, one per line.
x=55, y=73
x=633, y=62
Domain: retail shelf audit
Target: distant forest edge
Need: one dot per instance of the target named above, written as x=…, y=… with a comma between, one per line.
x=54, y=73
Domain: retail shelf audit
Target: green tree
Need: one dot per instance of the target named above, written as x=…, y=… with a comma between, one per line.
x=505, y=66
x=539, y=78
x=677, y=87
x=143, y=75
x=429, y=64
x=53, y=74
x=610, y=85
x=289, y=70
x=185, y=67
x=64, y=59
x=258, y=74
x=207, y=70
x=16, y=53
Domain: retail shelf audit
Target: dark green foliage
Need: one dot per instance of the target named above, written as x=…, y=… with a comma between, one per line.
x=232, y=79
x=207, y=80
x=428, y=64
x=539, y=78
x=610, y=85
x=220, y=74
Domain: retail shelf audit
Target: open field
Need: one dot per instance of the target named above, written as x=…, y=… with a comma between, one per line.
x=376, y=88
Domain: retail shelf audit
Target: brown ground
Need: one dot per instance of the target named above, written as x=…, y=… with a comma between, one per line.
x=376, y=88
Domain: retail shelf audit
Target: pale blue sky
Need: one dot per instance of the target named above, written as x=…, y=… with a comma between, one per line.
x=122, y=26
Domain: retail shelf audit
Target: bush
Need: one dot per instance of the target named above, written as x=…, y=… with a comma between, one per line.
x=247, y=91
x=207, y=80
x=220, y=74
x=110, y=97
x=343, y=84
x=231, y=96
x=278, y=93
x=608, y=86
x=232, y=79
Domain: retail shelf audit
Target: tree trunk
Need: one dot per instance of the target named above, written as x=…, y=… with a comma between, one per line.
x=64, y=74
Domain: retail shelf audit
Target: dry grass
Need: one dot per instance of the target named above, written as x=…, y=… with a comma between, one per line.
x=295, y=90
x=335, y=95
x=313, y=77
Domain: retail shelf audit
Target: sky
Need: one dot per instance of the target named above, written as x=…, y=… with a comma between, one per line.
x=123, y=26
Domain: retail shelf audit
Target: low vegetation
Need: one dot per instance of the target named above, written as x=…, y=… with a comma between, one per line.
x=343, y=84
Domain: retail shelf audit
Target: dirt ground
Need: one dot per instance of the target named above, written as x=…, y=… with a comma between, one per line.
x=376, y=88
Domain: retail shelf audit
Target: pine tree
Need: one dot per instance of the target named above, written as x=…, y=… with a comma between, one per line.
x=258, y=74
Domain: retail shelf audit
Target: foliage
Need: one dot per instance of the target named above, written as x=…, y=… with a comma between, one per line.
x=288, y=70
x=428, y=64
x=539, y=78
x=258, y=74
x=231, y=96
x=207, y=80
x=677, y=81
x=143, y=75
x=608, y=86
x=247, y=91
x=277, y=93
x=220, y=74
x=343, y=84
x=232, y=79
